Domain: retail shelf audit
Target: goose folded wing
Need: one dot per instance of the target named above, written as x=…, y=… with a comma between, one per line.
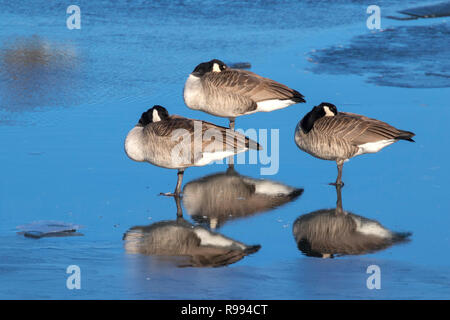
x=251, y=85
x=221, y=138
x=356, y=129
x=209, y=136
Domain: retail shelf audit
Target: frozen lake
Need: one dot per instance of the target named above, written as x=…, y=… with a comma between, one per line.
x=69, y=97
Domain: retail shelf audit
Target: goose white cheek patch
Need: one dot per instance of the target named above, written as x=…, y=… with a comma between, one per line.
x=155, y=116
x=216, y=68
x=328, y=112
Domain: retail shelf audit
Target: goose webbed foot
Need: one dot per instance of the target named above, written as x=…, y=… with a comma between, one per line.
x=177, y=192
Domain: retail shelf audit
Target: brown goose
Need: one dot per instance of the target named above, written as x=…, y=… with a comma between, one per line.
x=176, y=142
x=329, y=232
x=216, y=89
x=195, y=245
x=328, y=134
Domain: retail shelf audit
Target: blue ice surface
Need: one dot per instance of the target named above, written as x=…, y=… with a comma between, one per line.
x=63, y=120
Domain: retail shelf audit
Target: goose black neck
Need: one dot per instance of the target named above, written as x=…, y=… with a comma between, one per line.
x=307, y=122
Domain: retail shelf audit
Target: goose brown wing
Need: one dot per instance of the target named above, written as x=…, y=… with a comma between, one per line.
x=357, y=129
x=213, y=137
x=249, y=84
x=168, y=127
x=231, y=140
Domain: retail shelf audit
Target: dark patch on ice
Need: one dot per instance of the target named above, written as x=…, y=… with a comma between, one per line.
x=407, y=56
x=40, y=229
x=432, y=11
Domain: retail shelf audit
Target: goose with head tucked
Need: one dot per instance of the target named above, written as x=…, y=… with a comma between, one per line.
x=176, y=142
x=328, y=134
x=216, y=89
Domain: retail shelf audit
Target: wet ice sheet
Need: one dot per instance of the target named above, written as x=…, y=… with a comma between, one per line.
x=134, y=58
x=126, y=276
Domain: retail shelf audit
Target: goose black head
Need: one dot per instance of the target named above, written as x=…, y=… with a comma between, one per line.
x=325, y=109
x=210, y=66
x=157, y=113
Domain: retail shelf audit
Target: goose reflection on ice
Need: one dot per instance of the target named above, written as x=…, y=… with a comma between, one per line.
x=191, y=246
x=334, y=232
x=217, y=198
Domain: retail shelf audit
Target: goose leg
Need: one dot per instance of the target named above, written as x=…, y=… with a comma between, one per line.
x=179, y=180
x=179, y=209
x=178, y=187
x=232, y=123
x=339, y=209
x=340, y=165
x=231, y=159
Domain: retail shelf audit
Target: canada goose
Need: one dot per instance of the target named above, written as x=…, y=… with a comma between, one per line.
x=328, y=134
x=177, y=143
x=218, y=198
x=329, y=232
x=216, y=89
x=178, y=238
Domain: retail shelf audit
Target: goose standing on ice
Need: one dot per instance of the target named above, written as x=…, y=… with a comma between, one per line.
x=216, y=89
x=176, y=142
x=328, y=134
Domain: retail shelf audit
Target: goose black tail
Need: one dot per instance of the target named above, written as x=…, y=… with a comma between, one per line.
x=251, y=144
x=399, y=237
x=297, y=96
x=252, y=249
x=406, y=135
x=296, y=193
